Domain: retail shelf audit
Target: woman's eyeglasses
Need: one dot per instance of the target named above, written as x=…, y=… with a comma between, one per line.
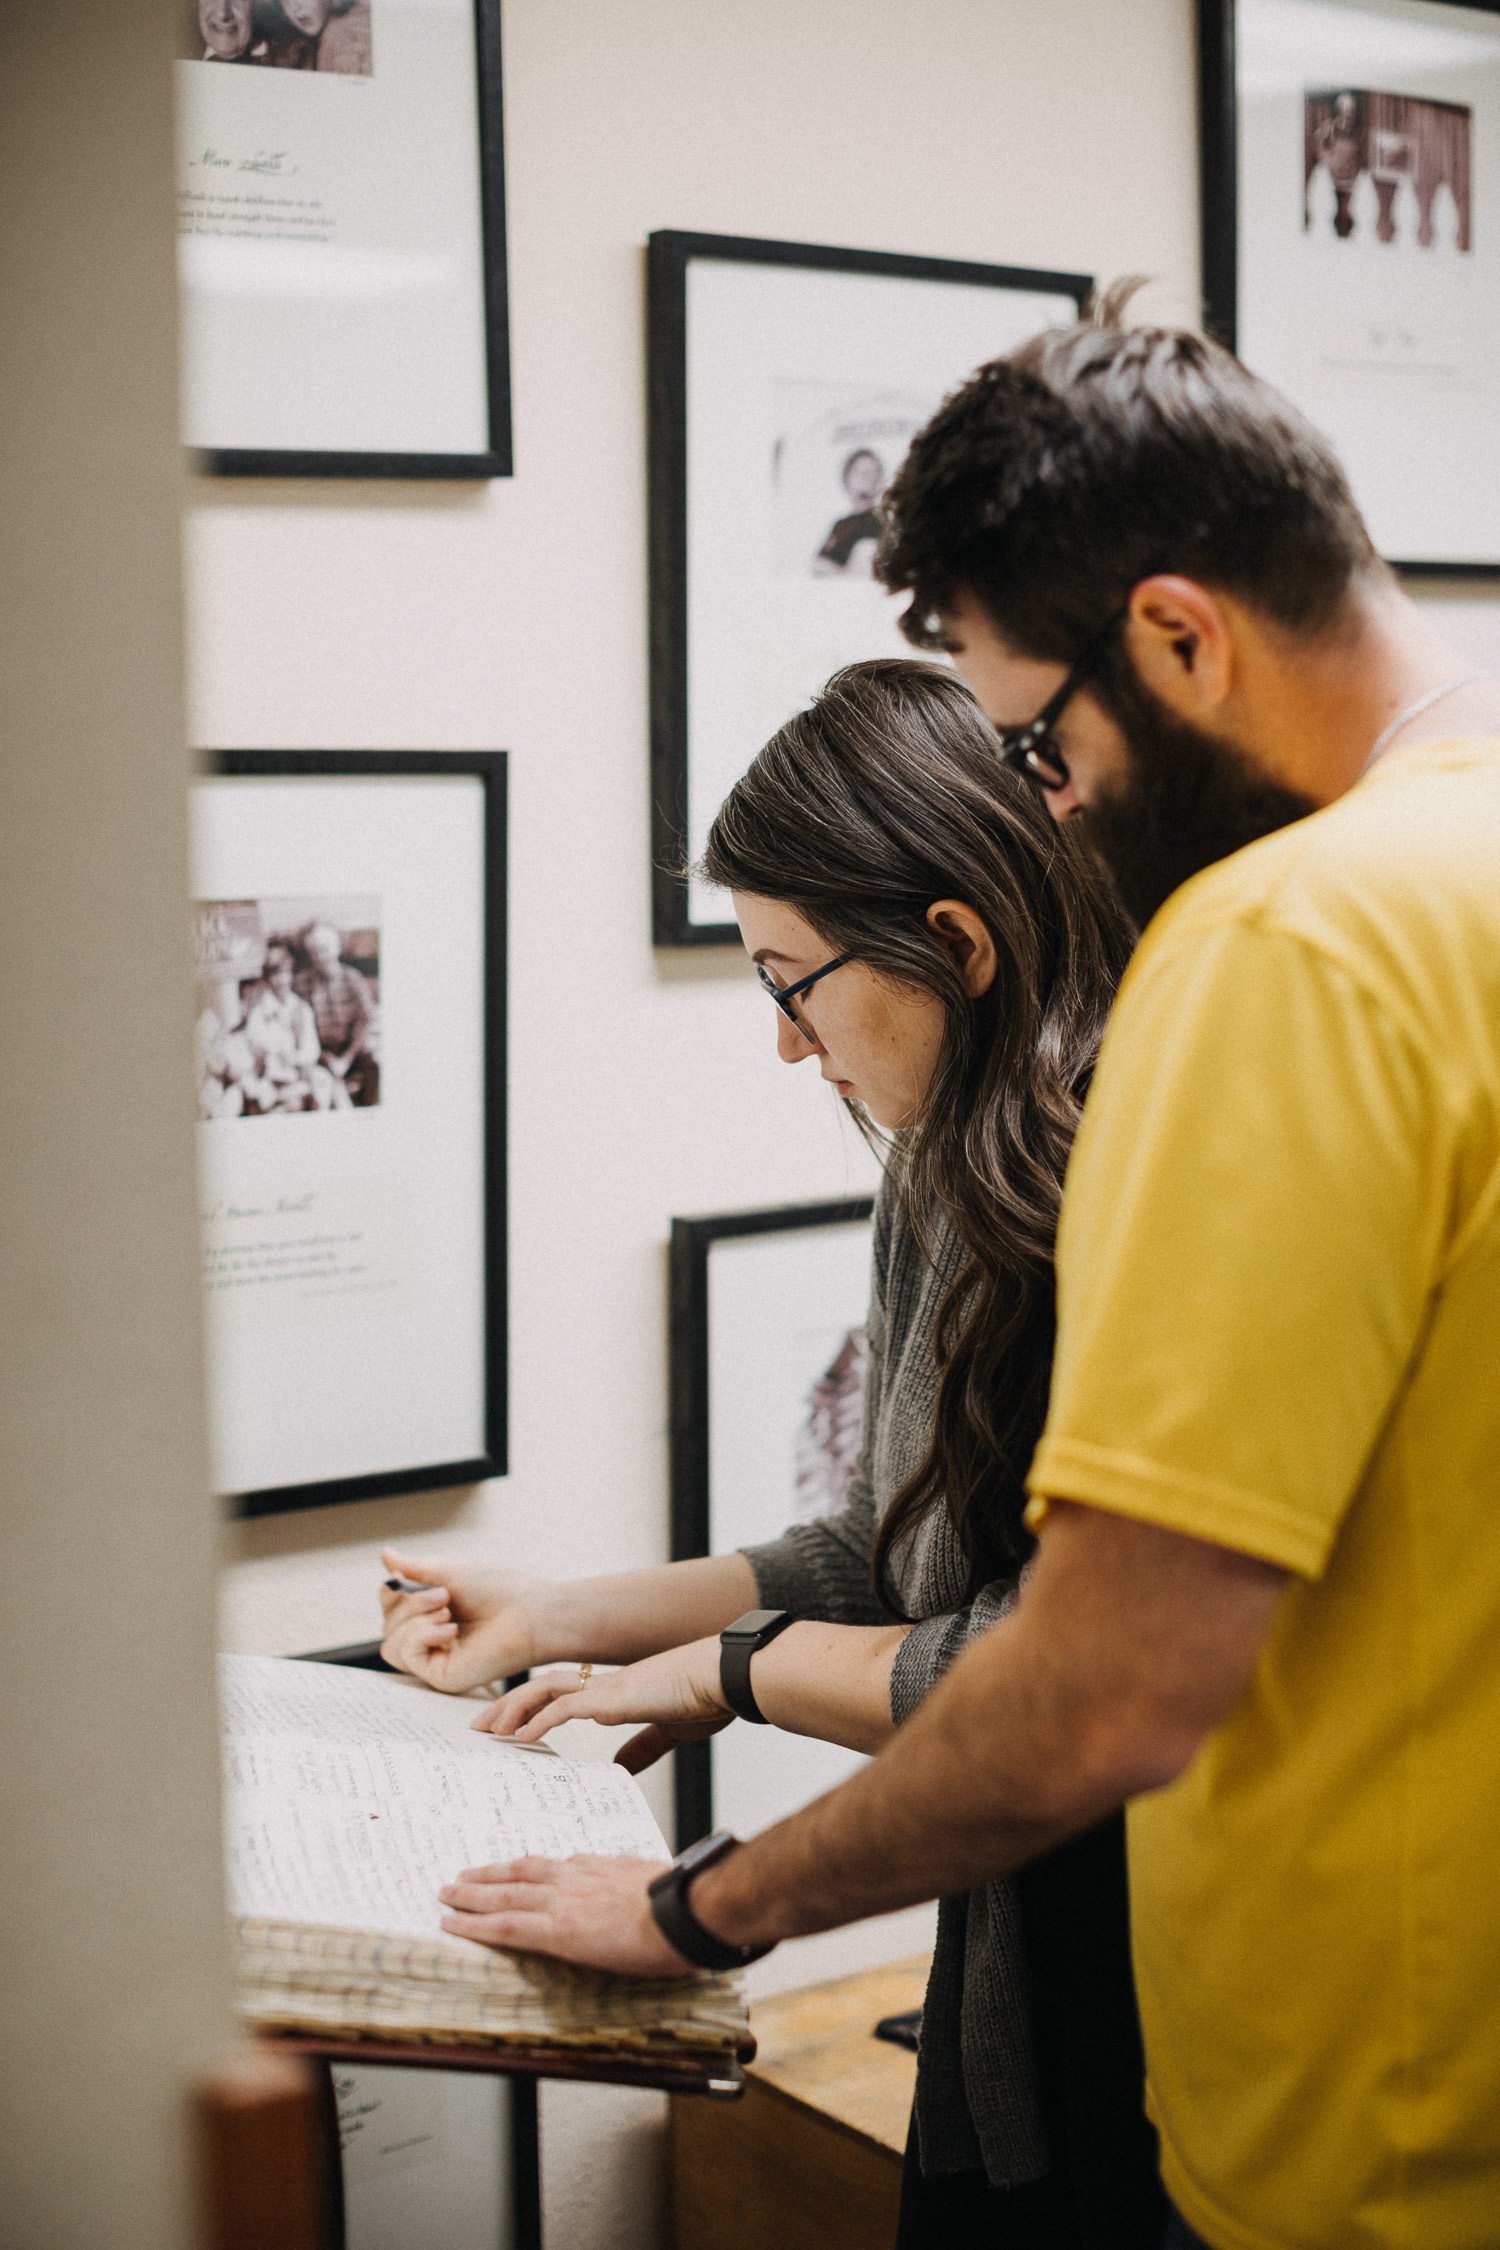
x=787, y=995
x=1026, y=749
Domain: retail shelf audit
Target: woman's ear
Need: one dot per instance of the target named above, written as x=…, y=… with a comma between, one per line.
x=965, y=936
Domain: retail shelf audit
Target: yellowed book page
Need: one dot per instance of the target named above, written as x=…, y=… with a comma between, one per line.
x=351, y=1796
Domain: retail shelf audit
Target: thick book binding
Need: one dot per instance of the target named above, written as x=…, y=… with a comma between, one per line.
x=349, y=1797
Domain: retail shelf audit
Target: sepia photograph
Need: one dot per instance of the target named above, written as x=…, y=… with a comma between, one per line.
x=289, y=1016
x=1387, y=168
x=329, y=35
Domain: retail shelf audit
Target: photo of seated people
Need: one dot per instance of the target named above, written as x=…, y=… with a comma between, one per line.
x=281, y=34
x=290, y=1007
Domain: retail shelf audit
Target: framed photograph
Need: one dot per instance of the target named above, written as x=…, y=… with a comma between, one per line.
x=786, y=382
x=768, y=1313
x=341, y=238
x=349, y=918
x=1351, y=246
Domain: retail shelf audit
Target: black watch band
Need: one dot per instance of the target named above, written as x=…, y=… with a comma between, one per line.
x=737, y=1644
x=675, y=1918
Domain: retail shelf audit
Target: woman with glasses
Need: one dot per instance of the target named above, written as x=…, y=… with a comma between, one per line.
x=947, y=956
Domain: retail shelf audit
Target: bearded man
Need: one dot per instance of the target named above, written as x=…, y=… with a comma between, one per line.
x=1265, y=1607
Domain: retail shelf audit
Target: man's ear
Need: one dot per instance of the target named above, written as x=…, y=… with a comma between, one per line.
x=1180, y=641
x=964, y=934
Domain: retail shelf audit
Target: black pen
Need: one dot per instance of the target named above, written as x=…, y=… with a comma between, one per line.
x=408, y=1586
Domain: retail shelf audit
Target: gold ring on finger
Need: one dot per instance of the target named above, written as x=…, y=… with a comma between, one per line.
x=583, y=1674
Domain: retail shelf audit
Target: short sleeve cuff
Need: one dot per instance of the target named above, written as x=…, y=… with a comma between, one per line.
x=1223, y=1514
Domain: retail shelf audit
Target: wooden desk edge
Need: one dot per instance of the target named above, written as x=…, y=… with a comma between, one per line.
x=722, y=2076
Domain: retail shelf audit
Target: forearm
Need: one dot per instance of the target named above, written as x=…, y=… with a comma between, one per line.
x=636, y=1613
x=831, y=1681
x=950, y=1802
x=1127, y=1646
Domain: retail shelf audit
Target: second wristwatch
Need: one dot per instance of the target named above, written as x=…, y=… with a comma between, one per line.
x=737, y=1644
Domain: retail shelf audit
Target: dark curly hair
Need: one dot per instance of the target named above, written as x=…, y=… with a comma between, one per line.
x=1058, y=477
x=885, y=796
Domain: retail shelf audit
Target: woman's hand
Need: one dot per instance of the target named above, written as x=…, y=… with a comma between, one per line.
x=468, y=1626
x=678, y=1692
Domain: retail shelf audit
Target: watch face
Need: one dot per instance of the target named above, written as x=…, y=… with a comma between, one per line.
x=751, y=1625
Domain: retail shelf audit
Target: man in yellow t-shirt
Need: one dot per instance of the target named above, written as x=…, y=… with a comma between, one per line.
x=1265, y=1605
x=1279, y=1271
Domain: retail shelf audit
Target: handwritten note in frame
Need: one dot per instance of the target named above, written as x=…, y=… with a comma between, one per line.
x=342, y=237
x=349, y=1076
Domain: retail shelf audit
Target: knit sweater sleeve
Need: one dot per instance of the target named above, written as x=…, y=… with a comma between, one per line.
x=932, y=1644
x=822, y=1570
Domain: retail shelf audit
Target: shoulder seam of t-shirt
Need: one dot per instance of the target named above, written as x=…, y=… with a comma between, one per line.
x=1128, y=1484
x=1408, y=1027
x=1259, y=917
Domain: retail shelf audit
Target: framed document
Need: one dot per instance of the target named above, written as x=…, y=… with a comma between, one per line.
x=349, y=916
x=1351, y=246
x=786, y=382
x=767, y=1396
x=342, y=238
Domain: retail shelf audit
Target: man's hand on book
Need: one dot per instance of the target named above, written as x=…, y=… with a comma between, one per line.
x=466, y=1627
x=592, y=1911
x=678, y=1692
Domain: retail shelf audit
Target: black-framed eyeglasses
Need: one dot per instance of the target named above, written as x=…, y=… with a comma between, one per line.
x=786, y=995
x=1025, y=749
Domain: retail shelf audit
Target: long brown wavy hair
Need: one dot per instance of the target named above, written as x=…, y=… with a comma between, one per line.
x=885, y=796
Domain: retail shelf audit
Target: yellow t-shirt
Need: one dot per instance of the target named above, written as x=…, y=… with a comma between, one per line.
x=1279, y=1277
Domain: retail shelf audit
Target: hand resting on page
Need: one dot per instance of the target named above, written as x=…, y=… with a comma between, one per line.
x=678, y=1692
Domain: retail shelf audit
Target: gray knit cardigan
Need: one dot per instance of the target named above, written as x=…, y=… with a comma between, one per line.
x=976, y=2075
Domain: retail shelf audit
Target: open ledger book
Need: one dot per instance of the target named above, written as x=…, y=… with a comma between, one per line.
x=350, y=1796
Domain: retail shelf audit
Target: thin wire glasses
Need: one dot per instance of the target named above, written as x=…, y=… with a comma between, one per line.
x=1026, y=749
x=786, y=995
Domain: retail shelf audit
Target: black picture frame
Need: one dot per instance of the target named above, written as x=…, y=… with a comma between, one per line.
x=1219, y=212
x=669, y=256
x=489, y=767
x=688, y=1426
x=498, y=460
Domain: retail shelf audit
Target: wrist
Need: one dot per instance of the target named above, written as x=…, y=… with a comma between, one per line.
x=676, y=1913
x=554, y=1632
x=723, y=1903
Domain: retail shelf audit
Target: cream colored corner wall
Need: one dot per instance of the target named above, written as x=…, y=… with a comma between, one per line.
x=515, y=617
x=111, y=1916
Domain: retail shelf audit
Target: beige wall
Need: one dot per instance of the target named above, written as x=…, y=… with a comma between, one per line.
x=515, y=616
x=111, y=1921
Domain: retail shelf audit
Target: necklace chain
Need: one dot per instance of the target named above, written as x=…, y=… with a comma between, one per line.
x=1423, y=703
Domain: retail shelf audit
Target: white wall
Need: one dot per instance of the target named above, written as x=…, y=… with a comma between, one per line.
x=112, y=1952
x=515, y=616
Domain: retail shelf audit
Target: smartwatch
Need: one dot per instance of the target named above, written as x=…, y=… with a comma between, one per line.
x=675, y=1918
x=737, y=1644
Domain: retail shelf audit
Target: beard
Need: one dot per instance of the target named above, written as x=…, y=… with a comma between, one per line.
x=1188, y=800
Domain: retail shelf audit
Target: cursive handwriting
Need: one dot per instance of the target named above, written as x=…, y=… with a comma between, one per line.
x=272, y=161
x=285, y=1206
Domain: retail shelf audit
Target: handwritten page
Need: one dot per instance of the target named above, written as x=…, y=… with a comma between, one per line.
x=349, y=1797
